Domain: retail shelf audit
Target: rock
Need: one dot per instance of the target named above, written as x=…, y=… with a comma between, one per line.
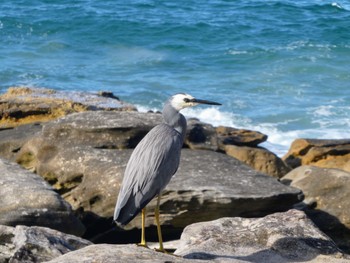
x=35, y=244
x=12, y=139
x=22, y=105
x=118, y=254
x=327, y=191
x=27, y=199
x=239, y=137
x=211, y=185
x=280, y=237
x=207, y=183
x=321, y=153
x=260, y=159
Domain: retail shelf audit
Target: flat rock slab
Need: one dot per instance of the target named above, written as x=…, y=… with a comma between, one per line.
x=209, y=185
x=27, y=199
x=100, y=129
x=35, y=244
x=119, y=254
x=276, y=238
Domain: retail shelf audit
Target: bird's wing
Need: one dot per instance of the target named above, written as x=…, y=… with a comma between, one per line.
x=150, y=168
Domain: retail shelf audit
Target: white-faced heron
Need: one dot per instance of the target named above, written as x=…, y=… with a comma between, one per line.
x=152, y=164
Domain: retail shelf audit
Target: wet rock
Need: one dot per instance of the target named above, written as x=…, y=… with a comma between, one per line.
x=327, y=195
x=35, y=244
x=118, y=254
x=321, y=153
x=279, y=237
x=22, y=105
x=27, y=199
x=260, y=159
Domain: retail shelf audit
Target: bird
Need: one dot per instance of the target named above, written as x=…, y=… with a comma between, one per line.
x=152, y=164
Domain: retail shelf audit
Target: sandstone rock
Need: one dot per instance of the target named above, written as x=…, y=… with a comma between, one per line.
x=35, y=244
x=12, y=140
x=280, y=237
x=27, y=199
x=328, y=192
x=322, y=153
x=21, y=105
x=260, y=159
x=240, y=137
x=118, y=254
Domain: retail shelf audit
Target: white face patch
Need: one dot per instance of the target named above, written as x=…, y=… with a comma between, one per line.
x=178, y=101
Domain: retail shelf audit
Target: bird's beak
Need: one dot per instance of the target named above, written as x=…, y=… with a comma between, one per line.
x=208, y=102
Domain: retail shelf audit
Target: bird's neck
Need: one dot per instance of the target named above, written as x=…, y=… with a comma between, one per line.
x=175, y=119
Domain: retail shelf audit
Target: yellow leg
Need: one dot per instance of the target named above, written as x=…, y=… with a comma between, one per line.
x=159, y=231
x=143, y=219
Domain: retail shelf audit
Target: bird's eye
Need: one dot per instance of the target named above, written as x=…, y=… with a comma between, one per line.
x=187, y=100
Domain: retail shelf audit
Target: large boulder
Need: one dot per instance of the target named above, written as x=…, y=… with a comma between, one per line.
x=22, y=105
x=276, y=238
x=321, y=153
x=35, y=244
x=260, y=159
x=207, y=184
x=27, y=199
x=327, y=195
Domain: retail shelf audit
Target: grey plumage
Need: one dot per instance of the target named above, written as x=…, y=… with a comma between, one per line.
x=155, y=160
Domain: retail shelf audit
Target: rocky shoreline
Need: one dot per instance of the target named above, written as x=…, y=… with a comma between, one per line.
x=62, y=158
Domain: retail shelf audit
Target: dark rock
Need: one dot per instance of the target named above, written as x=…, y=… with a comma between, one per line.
x=280, y=237
x=327, y=192
x=35, y=244
x=27, y=199
x=260, y=159
x=321, y=153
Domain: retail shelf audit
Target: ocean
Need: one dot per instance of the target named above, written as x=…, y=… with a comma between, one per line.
x=279, y=67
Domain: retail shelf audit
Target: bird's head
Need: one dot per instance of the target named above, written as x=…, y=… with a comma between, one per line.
x=181, y=100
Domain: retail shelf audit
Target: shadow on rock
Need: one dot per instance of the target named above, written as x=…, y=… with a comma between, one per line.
x=103, y=230
x=331, y=226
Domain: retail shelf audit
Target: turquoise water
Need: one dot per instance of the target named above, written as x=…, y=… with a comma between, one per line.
x=280, y=67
